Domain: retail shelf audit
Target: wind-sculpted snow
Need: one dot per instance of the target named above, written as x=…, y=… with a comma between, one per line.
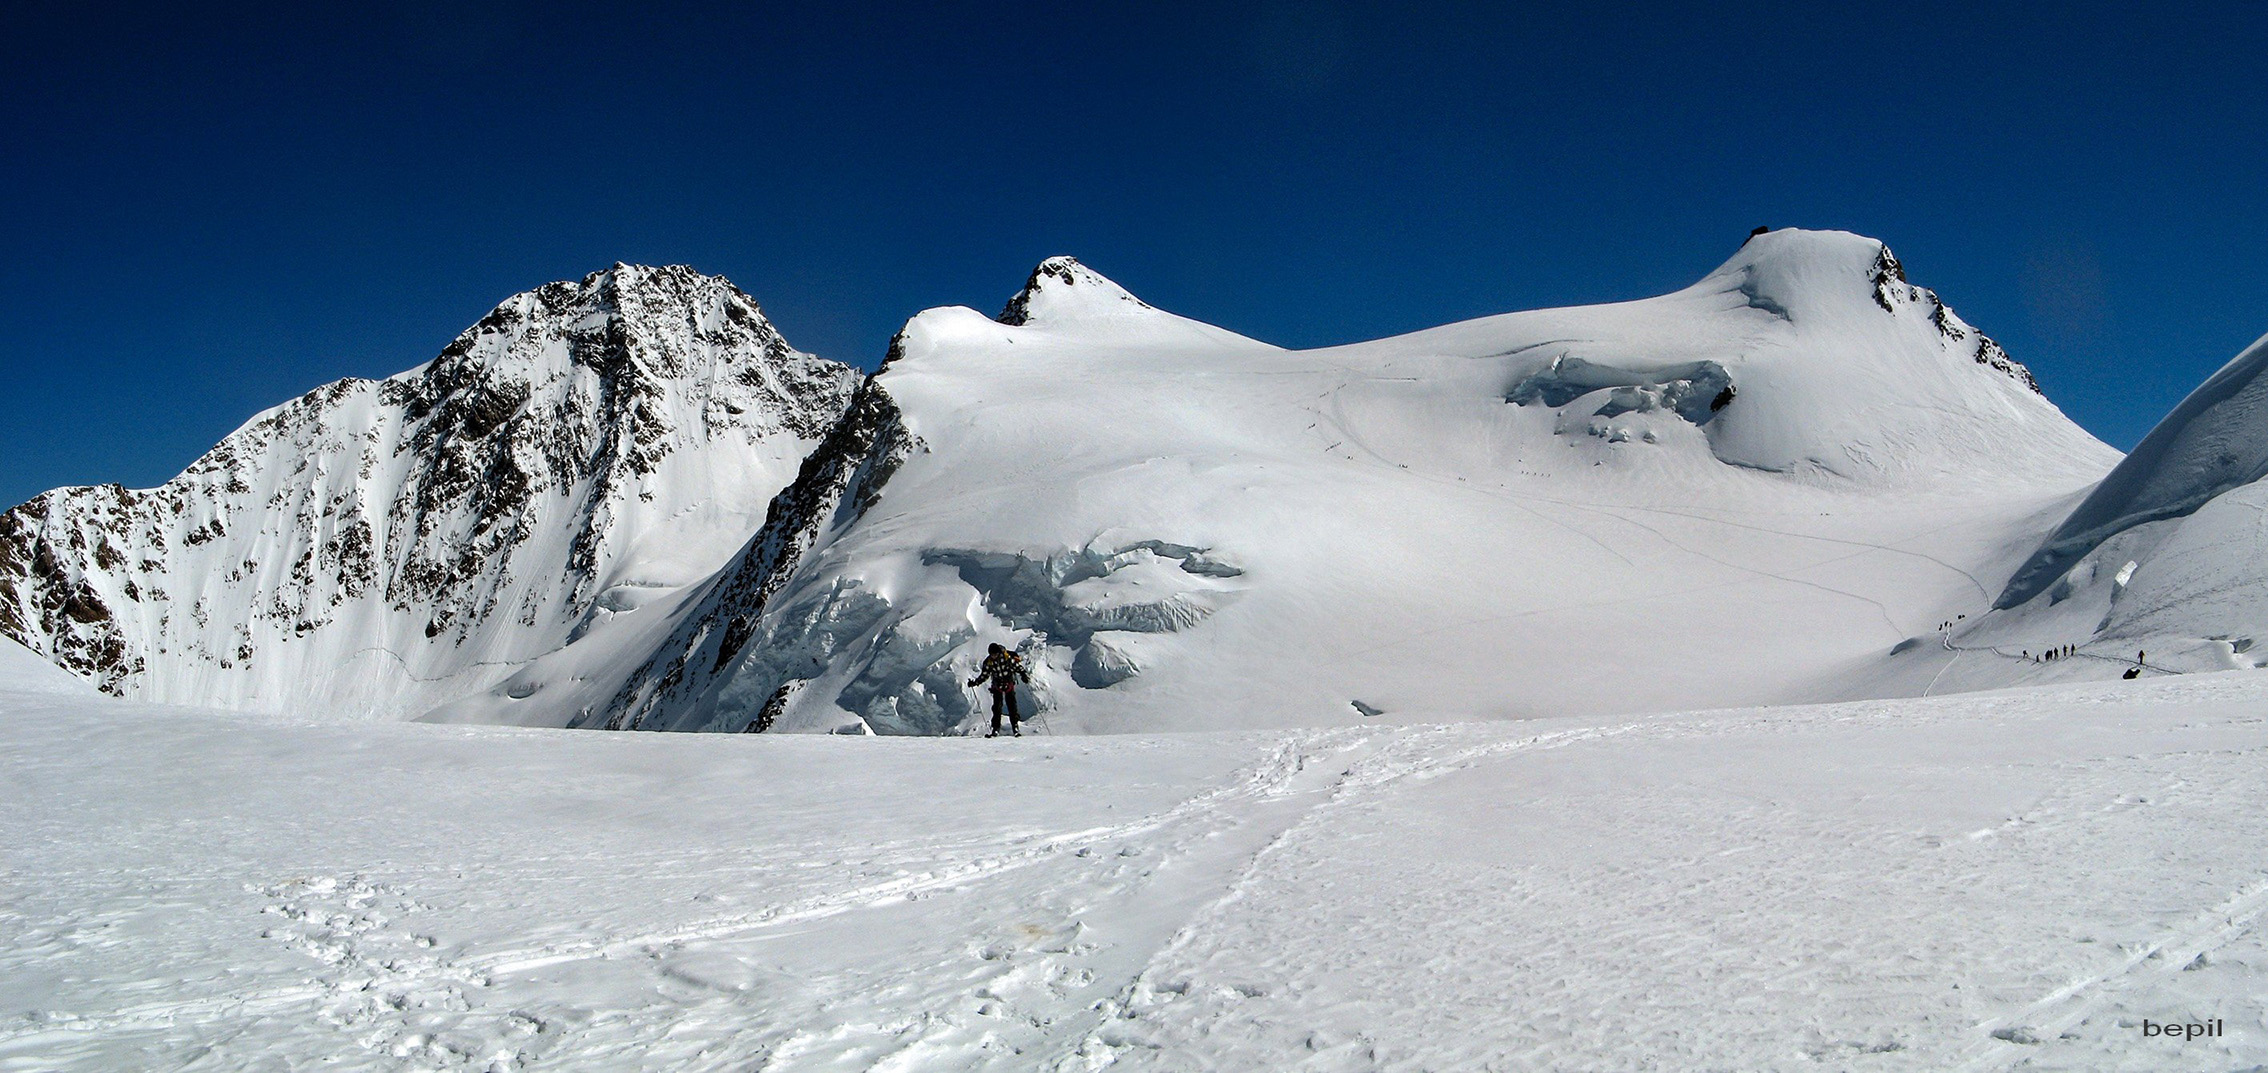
x=1734, y=493
x=2158, y=569
x=1150, y=586
x=2214, y=441
x=382, y=546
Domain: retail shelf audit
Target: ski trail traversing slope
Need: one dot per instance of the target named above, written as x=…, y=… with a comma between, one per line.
x=988, y=931
x=1636, y=903
x=1885, y=885
x=1526, y=503
x=2184, y=948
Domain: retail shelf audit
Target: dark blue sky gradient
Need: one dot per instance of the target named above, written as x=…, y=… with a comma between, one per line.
x=205, y=214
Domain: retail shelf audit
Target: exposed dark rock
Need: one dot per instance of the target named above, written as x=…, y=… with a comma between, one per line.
x=1891, y=290
x=839, y=481
x=1053, y=272
x=551, y=410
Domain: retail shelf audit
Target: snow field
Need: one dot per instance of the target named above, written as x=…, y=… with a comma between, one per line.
x=1994, y=881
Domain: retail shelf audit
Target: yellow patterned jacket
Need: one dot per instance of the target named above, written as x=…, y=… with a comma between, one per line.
x=1003, y=669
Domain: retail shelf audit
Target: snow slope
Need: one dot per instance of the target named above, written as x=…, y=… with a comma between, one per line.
x=375, y=548
x=1725, y=495
x=2216, y=440
x=21, y=670
x=2161, y=568
x=2010, y=880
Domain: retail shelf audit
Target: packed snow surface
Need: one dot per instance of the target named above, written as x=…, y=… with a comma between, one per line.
x=2011, y=880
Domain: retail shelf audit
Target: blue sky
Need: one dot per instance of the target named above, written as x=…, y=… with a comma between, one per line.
x=204, y=213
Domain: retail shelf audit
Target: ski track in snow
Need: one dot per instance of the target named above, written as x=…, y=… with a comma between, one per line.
x=1195, y=1006
x=1763, y=889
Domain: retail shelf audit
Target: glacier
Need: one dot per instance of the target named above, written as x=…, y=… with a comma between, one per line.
x=627, y=503
x=2160, y=568
x=1731, y=494
x=1996, y=880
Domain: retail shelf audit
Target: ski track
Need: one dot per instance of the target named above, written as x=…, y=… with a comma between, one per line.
x=2060, y=1010
x=1223, y=929
x=1152, y=1025
x=381, y=978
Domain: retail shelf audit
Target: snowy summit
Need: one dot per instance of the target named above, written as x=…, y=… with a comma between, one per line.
x=1487, y=648
x=377, y=546
x=1751, y=490
x=1730, y=494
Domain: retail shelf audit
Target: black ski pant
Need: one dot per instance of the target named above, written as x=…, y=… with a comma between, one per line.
x=1004, y=700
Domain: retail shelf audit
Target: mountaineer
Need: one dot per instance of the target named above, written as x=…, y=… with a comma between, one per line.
x=1003, y=668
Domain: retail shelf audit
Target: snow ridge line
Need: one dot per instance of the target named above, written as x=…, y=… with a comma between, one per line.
x=2178, y=949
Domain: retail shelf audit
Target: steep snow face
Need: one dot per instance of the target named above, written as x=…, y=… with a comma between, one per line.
x=1718, y=496
x=2159, y=568
x=1064, y=299
x=2214, y=441
x=379, y=547
x=21, y=671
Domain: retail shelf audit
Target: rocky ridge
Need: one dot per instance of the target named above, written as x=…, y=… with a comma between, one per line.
x=385, y=545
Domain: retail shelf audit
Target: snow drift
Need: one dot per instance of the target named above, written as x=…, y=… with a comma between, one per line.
x=2214, y=441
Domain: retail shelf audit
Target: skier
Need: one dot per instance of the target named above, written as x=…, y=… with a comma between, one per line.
x=1003, y=668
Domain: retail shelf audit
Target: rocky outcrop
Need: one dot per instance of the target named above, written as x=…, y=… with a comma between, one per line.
x=1891, y=291
x=376, y=544
x=840, y=479
x=1061, y=285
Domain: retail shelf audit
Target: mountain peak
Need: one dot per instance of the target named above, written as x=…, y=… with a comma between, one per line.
x=617, y=430
x=1794, y=266
x=625, y=273
x=1826, y=277
x=1061, y=289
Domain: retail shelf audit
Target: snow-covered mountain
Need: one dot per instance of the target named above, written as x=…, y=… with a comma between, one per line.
x=23, y=671
x=2165, y=558
x=1729, y=494
x=377, y=547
